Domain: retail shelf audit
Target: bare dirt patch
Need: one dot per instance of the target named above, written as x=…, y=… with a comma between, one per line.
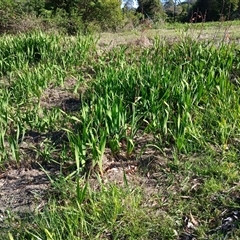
x=16, y=184
x=56, y=95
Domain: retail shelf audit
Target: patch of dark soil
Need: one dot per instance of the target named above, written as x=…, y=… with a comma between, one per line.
x=24, y=186
x=71, y=105
x=34, y=146
x=66, y=96
x=55, y=95
x=56, y=137
x=22, y=191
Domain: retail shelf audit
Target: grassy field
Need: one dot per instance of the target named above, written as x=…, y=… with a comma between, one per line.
x=127, y=136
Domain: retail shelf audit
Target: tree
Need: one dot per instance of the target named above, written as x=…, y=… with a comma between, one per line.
x=185, y=9
x=150, y=8
x=10, y=12
x=236, y=13
x=107, y=13
x=172, y=8
x=129, y=4
x=214, y=10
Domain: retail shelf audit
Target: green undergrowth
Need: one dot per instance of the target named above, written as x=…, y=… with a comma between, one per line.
x=203, y=186
x=110, y=213
x=185, y=94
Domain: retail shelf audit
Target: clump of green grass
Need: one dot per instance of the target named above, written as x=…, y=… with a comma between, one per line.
x=173, y=90
x=30, y=64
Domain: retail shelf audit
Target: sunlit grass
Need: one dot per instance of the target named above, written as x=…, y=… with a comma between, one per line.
x=182, y=93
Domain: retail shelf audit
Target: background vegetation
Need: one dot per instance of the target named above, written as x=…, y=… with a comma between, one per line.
x=108, y=15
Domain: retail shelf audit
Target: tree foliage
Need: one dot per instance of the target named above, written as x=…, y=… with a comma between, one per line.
x=172, y=9
x=214, y=10
x=74, y=15
x=150, y=8
x=10, y=12
x=106, y=12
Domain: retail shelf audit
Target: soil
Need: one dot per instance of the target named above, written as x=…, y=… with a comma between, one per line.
x=22, y=190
